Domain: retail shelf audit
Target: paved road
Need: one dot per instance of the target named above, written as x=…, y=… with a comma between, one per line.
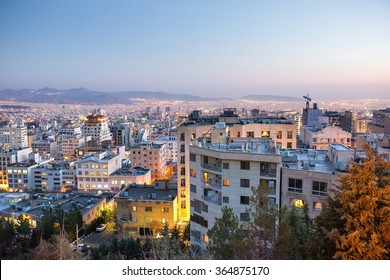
x=95, y=239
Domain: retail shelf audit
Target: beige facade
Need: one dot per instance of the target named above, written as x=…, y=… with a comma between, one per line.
x=144, y=210
x=321, y=138
x=8, y=158
x=129, y=176
x=152, y=156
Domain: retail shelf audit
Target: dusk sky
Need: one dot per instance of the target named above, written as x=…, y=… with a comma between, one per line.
x=201, y=47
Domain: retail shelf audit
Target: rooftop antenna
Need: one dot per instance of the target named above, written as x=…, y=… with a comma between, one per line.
x=308, y=99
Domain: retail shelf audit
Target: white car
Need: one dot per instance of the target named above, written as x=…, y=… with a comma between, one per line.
x=101, y=227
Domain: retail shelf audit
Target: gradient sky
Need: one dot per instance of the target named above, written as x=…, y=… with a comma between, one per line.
x=215, y=48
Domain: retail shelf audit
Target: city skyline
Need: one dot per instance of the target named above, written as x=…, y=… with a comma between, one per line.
x=218, y=49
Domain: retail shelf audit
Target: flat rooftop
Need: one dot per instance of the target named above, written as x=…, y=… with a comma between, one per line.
x=264, y=146
x=340, y=147
x=135, y=171
x=143, y=193
x=316, y=160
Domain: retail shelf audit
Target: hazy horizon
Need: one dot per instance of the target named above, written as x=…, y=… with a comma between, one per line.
x=329, y=49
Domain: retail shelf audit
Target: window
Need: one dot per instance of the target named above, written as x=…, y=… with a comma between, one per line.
x=193, y=188
x=225, y=199
x=92, y=165
x=319, y=188
x=244, y=200
x=265, y=133
x=183, y=193
x=148, y=209
x=165, y=209
x=164, y=220
x=279, y=135
x=183, y=159
x=244, y=183
x=238, y=134
x=80, y=173
x=182, y=148
x=182, y=182
x=294, y=185
x=182, y=137
x=226, y=183
x=85, y=165
x=244, y=216
x=250, y=134
x=205, y=160
x=225, y=165
x=193, y=173
x=289, y=134
x=297, y=203
x=193, y=157
x=268, y=169
x=183, y=204
x=86, y=173
x=245, y=165
x=183, y=171
x=289, y=145
x=92, y=173
x=317, y=205
x=134, y=208
x=105, y=166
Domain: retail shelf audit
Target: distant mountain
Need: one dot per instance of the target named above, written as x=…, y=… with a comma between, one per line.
x=269, y=98
x=86, y=96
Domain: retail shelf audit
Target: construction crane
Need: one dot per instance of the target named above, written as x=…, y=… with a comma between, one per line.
x=308, y=99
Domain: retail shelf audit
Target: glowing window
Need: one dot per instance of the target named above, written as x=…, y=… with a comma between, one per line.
x=226, y=183
x=297, y=203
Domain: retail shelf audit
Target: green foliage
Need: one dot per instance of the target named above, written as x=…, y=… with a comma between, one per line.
x=227, y=238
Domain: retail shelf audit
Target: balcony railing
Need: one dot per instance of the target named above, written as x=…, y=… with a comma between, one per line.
x=212, y=167
x=268, y=172
x=213, y=199
x=271, y=191
x=213, y=183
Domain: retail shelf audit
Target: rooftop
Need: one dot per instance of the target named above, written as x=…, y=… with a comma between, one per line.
x=262, y=146
x=340, y=147
x=135, y=171
x=148, y=192
x=307, y=160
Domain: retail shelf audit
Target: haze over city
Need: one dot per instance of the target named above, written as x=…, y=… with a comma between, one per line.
x=333, y=49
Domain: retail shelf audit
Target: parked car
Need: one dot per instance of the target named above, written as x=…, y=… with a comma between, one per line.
x=101, y=227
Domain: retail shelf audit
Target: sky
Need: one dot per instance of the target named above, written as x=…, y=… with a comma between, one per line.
x=219, y=48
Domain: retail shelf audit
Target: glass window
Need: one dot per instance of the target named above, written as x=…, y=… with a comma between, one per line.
x=245, y=183
x=244, y=200
x=294, y=185
x=226, y=183
x=319, y=188
x=245, y=165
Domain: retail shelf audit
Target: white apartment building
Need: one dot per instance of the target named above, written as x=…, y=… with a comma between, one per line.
x=132, y=176
x=281, y=131
x=13, y=136
x=69, y=130
x=93, y=170
x=171, y=142
x=8, y=158
x=96, y=126
x=223, y=174
x=70, y=145
x=320, y=138
x=53, y=178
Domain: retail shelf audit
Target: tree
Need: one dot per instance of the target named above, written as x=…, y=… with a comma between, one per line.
x=7, y=237
x=186, y=236
x=227, y=238
x=365, y=197
x=262, y=227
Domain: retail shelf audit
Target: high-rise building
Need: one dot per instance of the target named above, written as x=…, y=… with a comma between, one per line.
x=8, y=158
x=381, y=121
x=171, y=142
x=280, y=130
x=223, y=174
x=13, y=136
x=298, y=122
x=96, y=126
x=121, y=134
x=310, y=116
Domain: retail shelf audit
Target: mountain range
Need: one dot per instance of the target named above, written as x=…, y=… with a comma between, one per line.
x=86, y=96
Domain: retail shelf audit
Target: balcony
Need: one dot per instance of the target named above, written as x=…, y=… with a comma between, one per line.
x=212, y=167
x=268, y=172
x=213, y=183
x=213, y=199
x=271, y=191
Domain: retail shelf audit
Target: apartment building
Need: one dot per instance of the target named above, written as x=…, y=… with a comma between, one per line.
x=121, y=134
x=321, y=137
x=308, y=176
x=223, y=174
x=13, y=136
x=171, y=142
x=8, y=158
x=129, y=176
x=93, y=170
x=96, y=126
x=70, y=146
x=53, y=178
x=279, y=130
x=145, y=210
x=45, y=148
x=152, y=156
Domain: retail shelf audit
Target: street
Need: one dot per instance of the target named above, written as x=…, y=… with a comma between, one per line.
x=95, y=239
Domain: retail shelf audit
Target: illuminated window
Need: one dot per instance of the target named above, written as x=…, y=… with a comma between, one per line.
x=193, y=173
x=134, y=208
x=92, y=173
x=226, y=183
x=105, y=173
x=265, y=133
x=183, y=193
x=164, y=220
x=279, y=135
x=205, y=238
x=105, y=166
x=97, y=166
x=297, y=203
x=9, y=171
x=183, y=204
x=97, y=173
x=24, y=171
x=317, y=205
x=92, y=165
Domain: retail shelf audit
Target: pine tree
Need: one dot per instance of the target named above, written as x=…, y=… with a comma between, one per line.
x=365, y=197
x=227, y=238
